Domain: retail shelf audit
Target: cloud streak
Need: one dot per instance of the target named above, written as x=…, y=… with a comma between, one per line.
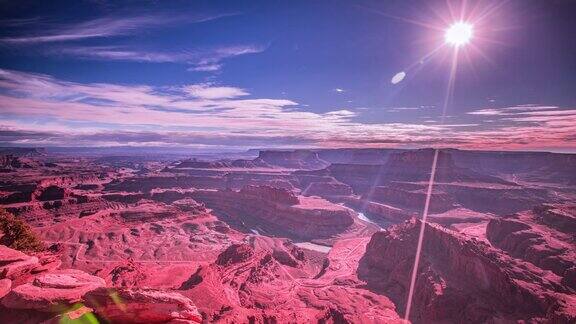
x=102, y=27
x=38, y=109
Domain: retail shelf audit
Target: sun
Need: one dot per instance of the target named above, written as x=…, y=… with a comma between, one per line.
x=458, y=34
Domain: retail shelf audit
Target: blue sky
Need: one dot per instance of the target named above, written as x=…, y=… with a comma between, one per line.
x=286, y=73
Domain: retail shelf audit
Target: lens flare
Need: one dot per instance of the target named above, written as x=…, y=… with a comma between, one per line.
x=459, y=34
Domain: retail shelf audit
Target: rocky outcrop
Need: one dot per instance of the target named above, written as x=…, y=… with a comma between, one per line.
x=14, y=264
x=561, y=217
x=52, y=192
x=268, y=280
x=461, y=279
x=235, y=253
x=43, y=294
x=131, y=305
x=5, y=285
x=273, y=213
x=52, y=292
x=542, y=237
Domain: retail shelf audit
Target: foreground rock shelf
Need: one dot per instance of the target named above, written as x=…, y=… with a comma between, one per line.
x=31, y=293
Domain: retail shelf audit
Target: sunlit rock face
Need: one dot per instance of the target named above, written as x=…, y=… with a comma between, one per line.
x=272, y=280
x=278, y=212
x=462, y=279
x=48, y=295
x=142, y=306
x=543, y=237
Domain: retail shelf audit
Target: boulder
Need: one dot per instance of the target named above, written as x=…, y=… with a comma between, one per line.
x=14, y=264
x=52, y=291
x=128, y=305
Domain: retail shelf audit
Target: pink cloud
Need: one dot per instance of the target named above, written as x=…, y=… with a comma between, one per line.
x=180, y=115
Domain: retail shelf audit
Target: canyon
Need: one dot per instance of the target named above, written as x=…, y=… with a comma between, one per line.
x=290, y=236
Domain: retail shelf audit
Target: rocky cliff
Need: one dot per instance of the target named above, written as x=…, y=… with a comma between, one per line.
x=34, y=290
x=266, y=280
x=544, y=236
x=277, y=212
x=462, y=280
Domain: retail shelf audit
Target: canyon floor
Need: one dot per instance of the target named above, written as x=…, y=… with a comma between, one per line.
x=302, y=236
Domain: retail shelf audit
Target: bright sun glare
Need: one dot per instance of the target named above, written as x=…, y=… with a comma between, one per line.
x=458, y=34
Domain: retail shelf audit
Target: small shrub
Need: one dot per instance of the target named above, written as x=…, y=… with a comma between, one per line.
x=16, y=234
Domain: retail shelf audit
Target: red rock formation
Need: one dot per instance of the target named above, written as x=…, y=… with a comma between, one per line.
x=561, y=217
x=462, y=280
x=542, y=237
x=49, y=296
x=271, y=281
x=277, y=195
x=267, y=211
x=53, y=291
x=14, y=264
x=5, y=285
x=235, y=253
x=129, y=305
x=51, y=192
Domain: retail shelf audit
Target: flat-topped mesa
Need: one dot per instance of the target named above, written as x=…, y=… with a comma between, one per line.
x=460, y=279
x=417, y=165
x=277, y=195
x=298, y=159
x=278, y=212
x=221, y=164
x=419, y=159
x=197, y=164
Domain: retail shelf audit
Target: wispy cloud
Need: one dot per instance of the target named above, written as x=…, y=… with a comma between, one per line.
x=119, y=53
x=102, y=27
x=417, y=108
x=41, y=110
x=208, y=91
x=211, y=61
x=68, y=40
x=204, y=60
